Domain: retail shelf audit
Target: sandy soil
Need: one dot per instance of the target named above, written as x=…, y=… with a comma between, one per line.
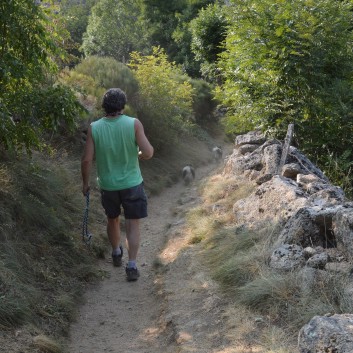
x=173, y=307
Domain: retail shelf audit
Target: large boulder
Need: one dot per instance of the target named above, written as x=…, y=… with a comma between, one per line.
x=287, y=257
x=275, y=201
x=327, y=334
x=310, y=226
x=251, y=138
x=342, y=226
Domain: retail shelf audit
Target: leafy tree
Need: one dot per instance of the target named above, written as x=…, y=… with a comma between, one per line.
x=182, y=37
x=25, y=44
x=30, y=48
x=208, y=32
x=115, y=28
x=291, y=62
x=169, y=25
x=162, y=19
x=165, y=103
x=76, y=14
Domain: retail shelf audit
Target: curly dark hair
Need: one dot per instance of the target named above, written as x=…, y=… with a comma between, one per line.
x=114, y=100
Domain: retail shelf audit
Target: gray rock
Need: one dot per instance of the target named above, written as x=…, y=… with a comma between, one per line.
x=274, y=201
x=309, y=252
x=318, y=260
x=307, y=278
x=248, y=148
x=327, y=334
x=287, y=257
x=291, y=170
x=240, y=164
x=342, y=225
x=272, y=158
x=264, y=178
x=309, y=213
x=252, y=174
x=331, y=195
x=304, y=179
x=310, y=226
x=339, y=267
x=269, y=143
x=252, y=137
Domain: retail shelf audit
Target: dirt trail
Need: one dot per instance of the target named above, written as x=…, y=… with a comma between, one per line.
x=173, y=309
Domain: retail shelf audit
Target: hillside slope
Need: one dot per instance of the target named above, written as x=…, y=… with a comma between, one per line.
x=45, y=266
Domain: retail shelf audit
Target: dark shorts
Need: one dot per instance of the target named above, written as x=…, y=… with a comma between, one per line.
x=132, y=200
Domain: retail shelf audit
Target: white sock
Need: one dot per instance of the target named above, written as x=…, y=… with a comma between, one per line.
x=117, y=251
x=131, y=264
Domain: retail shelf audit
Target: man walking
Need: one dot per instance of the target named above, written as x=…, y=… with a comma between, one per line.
x=118, y=142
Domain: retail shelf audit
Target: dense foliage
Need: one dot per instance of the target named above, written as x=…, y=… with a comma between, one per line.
x=208, y=33
x=291, y=62
x=76, y=14
x=169, y=27
x=93, y=76
x=115, y=28
x=31, y=47
x=204, y=103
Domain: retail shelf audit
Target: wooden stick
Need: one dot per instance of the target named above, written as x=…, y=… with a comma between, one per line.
x=285, y=150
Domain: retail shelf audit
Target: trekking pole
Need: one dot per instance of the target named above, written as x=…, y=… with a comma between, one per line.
x=86, y=235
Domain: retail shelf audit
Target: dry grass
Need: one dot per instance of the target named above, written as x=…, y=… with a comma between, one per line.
x=202, y=224
x=269, y=307
x=256, y=332
x=46, y=344
x=226, y=189
x=44, y=265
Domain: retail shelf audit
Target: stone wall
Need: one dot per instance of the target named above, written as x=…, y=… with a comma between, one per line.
x=315, y=220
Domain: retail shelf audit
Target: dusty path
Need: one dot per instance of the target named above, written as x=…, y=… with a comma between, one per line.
x=173, y=307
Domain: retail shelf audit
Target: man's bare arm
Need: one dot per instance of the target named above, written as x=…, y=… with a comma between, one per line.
x=145, y=147
x=86, y=161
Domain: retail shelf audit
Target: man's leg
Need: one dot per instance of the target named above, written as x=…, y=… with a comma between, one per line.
x=132, y=237
x=134, y=202
x=113, y=231
x=133, y=244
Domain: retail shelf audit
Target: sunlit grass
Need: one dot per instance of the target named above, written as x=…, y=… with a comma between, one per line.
x=47, y=344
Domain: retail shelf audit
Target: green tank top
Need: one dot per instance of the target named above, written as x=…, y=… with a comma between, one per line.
x=116, y=153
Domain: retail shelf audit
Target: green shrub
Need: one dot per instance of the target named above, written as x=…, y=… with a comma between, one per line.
x=33, y=113
x=31, y=44
x=109, y=73
x=81, y=83
x=165, y=103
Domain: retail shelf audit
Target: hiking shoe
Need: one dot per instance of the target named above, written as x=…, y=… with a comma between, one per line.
x=117, y=259
x=132, y=274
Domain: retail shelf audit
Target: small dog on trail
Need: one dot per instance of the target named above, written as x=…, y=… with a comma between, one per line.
x=188, y=174
x=217, y=154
